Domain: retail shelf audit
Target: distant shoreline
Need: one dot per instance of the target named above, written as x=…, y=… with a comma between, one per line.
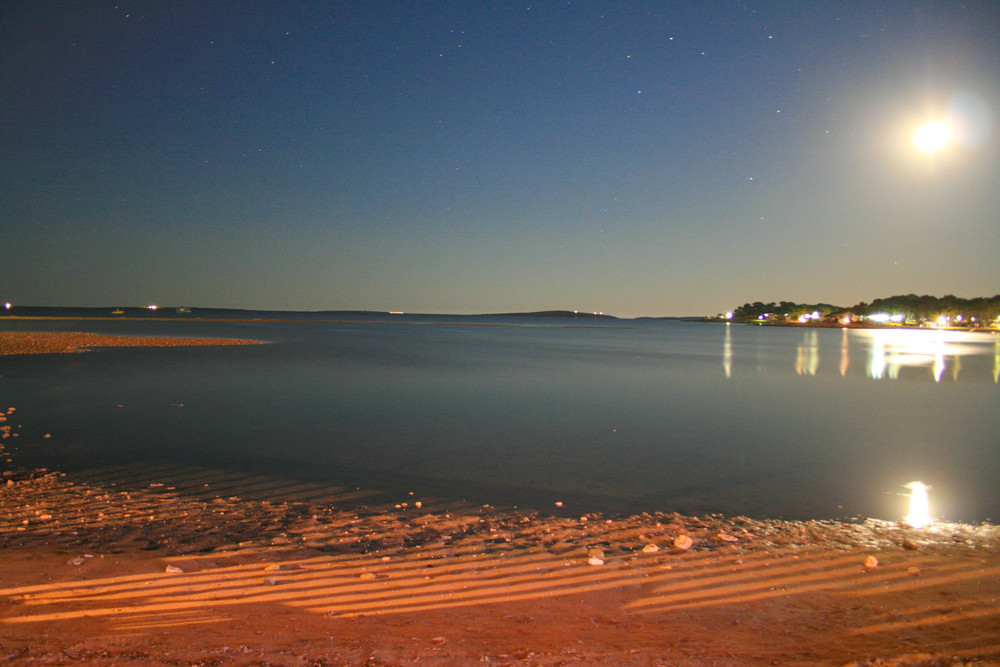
x=559, y=319
x=238, y=314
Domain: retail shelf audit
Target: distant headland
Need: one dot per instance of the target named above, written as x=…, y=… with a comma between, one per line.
x=192, y=313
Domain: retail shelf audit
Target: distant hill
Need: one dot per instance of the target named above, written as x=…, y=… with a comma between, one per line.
x=174, y=312
x=558, y=313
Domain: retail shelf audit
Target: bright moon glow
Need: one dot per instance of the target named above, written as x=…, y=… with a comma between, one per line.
x=932, y=137
x=920, y=513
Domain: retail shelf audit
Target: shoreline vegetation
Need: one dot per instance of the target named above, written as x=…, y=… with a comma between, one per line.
x=175, y=565
x=903, y=311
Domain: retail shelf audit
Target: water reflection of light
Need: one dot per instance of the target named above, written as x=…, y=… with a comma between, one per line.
x=893, y=349
x=727, y=351
x=845, y=355
x=996, y=362
x=807, y=354
x=920, y=513
x=932, y=353
x=876, y=366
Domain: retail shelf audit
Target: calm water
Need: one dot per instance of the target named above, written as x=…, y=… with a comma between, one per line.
x=632, y=416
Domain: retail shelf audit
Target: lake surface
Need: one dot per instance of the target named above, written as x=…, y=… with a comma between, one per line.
x=616, y=415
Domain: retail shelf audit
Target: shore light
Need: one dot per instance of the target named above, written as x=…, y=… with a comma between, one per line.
x=920, y=514
x=7, y=305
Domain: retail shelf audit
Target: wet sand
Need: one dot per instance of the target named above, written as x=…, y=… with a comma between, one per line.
x=161, y=564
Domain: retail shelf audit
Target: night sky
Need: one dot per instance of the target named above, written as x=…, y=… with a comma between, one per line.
x=635, y=158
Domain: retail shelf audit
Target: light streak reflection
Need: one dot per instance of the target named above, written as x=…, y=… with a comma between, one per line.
x=996, y=362
x=888, y=352
x=727, y=351
x=845, y=352
x=891, y=350
x=807, y=354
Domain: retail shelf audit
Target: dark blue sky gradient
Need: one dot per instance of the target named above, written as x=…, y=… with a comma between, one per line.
x=635, y=158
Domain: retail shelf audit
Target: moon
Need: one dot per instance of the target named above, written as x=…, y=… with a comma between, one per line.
x=932, y=136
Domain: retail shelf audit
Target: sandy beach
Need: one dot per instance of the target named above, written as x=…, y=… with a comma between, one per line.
x=163, y=564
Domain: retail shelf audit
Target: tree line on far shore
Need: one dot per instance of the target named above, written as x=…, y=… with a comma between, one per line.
x=909, y=307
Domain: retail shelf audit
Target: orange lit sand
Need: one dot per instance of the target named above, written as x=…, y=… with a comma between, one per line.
x=46, y=343
x=161, y=564
x=324, y=580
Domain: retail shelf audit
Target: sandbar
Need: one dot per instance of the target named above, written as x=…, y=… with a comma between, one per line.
x=17, y=342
